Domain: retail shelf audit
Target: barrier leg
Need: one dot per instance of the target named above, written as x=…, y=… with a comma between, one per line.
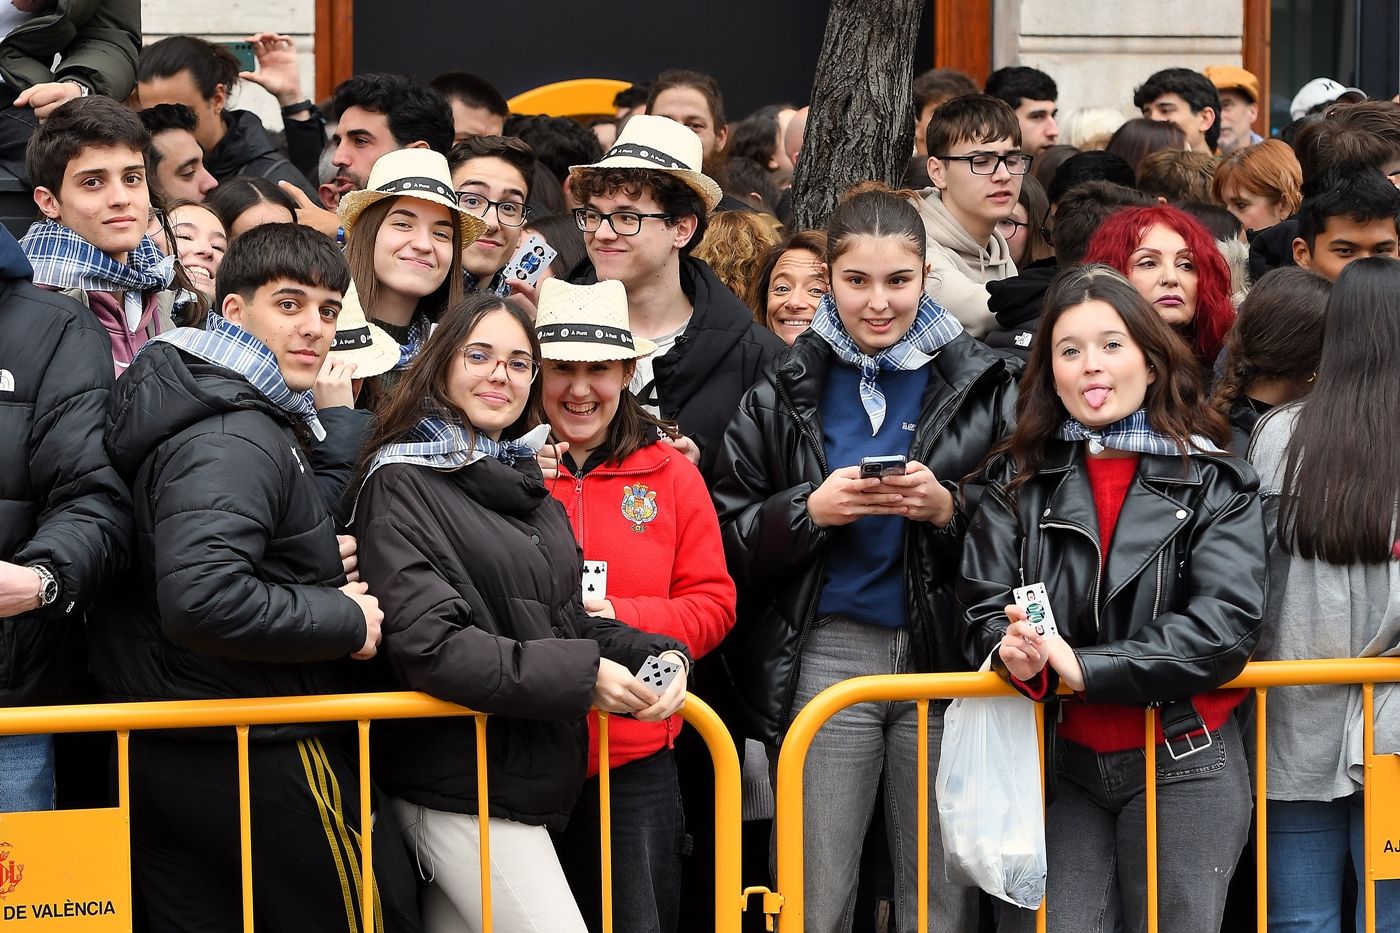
x=1261, y=810
x=483, y=812
x=245, y=827
x=1040, y=914
x=923, y=815
x=369, y=916
x=605, y=818
x=1368, y=752
x=1151, y=819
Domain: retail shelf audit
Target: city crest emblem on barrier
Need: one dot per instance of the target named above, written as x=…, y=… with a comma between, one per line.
x=11, y=872
x=639, y=506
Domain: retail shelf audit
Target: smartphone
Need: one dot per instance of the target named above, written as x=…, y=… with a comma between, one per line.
x=875, y=467
x=243, y=51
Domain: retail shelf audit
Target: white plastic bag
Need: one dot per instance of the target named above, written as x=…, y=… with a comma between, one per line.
x=989, y=803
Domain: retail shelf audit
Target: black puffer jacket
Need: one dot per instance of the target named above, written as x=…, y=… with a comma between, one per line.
x=773, y=460
x=246, y=149
x=1017, y=303
x=478, y=573
x=233, y=592
x=722, y=352
x=1178, y=609
x=61, y=503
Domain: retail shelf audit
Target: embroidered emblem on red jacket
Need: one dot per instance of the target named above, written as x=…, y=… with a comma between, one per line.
x=639, y=505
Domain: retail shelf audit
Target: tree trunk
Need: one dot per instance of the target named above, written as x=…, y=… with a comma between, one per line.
x=861, y=125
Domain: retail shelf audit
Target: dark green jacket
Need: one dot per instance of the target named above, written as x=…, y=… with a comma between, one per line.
x=97, y=42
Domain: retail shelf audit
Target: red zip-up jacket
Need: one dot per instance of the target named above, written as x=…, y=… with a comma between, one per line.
x=652, y=520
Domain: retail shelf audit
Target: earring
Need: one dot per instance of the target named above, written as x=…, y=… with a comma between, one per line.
x=1311, y=378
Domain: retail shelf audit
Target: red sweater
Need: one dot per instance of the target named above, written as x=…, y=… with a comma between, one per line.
x=666, y=570
x=1108, y=727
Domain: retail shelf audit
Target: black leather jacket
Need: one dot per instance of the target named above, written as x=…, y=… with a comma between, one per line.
x=772, y=460
x=1176, y=612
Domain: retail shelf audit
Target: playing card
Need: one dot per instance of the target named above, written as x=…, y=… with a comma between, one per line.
x=595, y=579
x=1036, y=602
x=529, y=262
x=657, y=673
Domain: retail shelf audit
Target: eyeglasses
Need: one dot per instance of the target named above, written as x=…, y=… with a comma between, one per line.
x=155, y=219
x=623, y=223
x=1008, y=227
x=482, y=363
x=509, y=213
x=985, y=163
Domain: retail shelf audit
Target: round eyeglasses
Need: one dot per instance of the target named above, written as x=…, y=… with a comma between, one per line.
x=508, y=213
x=482, y=363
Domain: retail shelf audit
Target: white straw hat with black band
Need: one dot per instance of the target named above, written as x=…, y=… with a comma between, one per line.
x=412, y=173
x=358, y=341
x=662, y=145
x=587, y=323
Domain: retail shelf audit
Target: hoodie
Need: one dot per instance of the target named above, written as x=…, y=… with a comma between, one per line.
x=959, y=267
x=246, y=149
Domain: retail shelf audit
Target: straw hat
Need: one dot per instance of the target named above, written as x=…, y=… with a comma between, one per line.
x=587, y=323
x=357, y=341
x=661, y=145
x=413, y=173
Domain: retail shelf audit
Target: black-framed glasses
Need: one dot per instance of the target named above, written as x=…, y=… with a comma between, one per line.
x=985, y=163
x=481, y=363
x=623, y=223
x=509, y=213
x=1008, y=227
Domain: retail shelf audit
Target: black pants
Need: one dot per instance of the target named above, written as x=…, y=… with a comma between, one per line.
x=648, y=835
x=305, y=840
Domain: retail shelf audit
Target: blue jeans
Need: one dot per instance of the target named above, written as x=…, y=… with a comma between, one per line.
x=648, y=837
x=842, y=775
x=1309, y=841
x=1095, y=838
x=26, y=763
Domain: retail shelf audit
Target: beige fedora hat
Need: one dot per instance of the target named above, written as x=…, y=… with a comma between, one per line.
x=411, y=173
x=661, y=145
x=587, y=323
x=357, y=341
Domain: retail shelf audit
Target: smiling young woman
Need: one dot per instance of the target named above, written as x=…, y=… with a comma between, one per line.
x=1111, y=491
x=853, y=572
x=478, y=574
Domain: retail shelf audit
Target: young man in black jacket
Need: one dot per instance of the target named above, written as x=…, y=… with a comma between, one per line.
x=645, y=204
x=239, y=589
x=64, y=521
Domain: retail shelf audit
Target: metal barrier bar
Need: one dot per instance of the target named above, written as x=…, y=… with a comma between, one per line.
x=923, y=814
x=1258, y=675
x=362, y=709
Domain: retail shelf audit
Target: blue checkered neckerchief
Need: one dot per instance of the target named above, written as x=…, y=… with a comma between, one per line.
x=1134, y=434
x=447, y=445
x=933, y=329
x=418, y=330
x=63, y=259
x=226, y=344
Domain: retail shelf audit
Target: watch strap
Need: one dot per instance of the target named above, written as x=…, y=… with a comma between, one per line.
x=48, y=590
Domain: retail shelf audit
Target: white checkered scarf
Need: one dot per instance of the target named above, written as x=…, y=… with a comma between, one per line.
x=1133, y=434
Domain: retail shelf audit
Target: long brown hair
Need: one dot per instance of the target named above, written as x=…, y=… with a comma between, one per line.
x=359, y=253
x=423, y=387
x=1176, y=406
x=1343, y=467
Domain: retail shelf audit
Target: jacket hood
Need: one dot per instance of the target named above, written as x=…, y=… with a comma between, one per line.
x=942, y=228
x=163, y=393
x=13, y=263
x=1017, y=301
x=246, y=139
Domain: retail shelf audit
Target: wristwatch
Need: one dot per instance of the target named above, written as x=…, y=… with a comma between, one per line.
x=83, y=89
x=48, y=589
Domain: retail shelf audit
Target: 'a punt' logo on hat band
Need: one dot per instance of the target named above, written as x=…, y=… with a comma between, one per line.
x=418, y=184
x=647, y=154
x=586, y=333
x=352, y=339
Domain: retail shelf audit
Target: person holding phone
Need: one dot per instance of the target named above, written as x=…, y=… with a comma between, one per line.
x=1114, y=493
x=843, y=575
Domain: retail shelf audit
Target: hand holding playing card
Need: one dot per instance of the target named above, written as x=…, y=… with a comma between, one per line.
x=617, y=690
x=673, y=696
x=603, y=608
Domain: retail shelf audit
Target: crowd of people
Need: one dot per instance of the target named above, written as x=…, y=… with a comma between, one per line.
x=294, y=416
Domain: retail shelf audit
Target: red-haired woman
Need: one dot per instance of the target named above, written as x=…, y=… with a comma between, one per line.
x=1173, y=262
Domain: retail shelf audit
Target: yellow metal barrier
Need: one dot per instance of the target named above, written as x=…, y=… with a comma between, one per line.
x=920, y=688
x=124, y=718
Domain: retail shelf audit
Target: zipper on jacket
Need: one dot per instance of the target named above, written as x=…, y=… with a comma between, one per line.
x=1157, y=600
x=1098, y=549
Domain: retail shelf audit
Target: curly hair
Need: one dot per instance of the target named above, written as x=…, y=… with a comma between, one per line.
x=734, y=246
x=1117, y=240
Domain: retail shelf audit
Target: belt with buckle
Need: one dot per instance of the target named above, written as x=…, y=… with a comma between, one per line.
x=1180, y=722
